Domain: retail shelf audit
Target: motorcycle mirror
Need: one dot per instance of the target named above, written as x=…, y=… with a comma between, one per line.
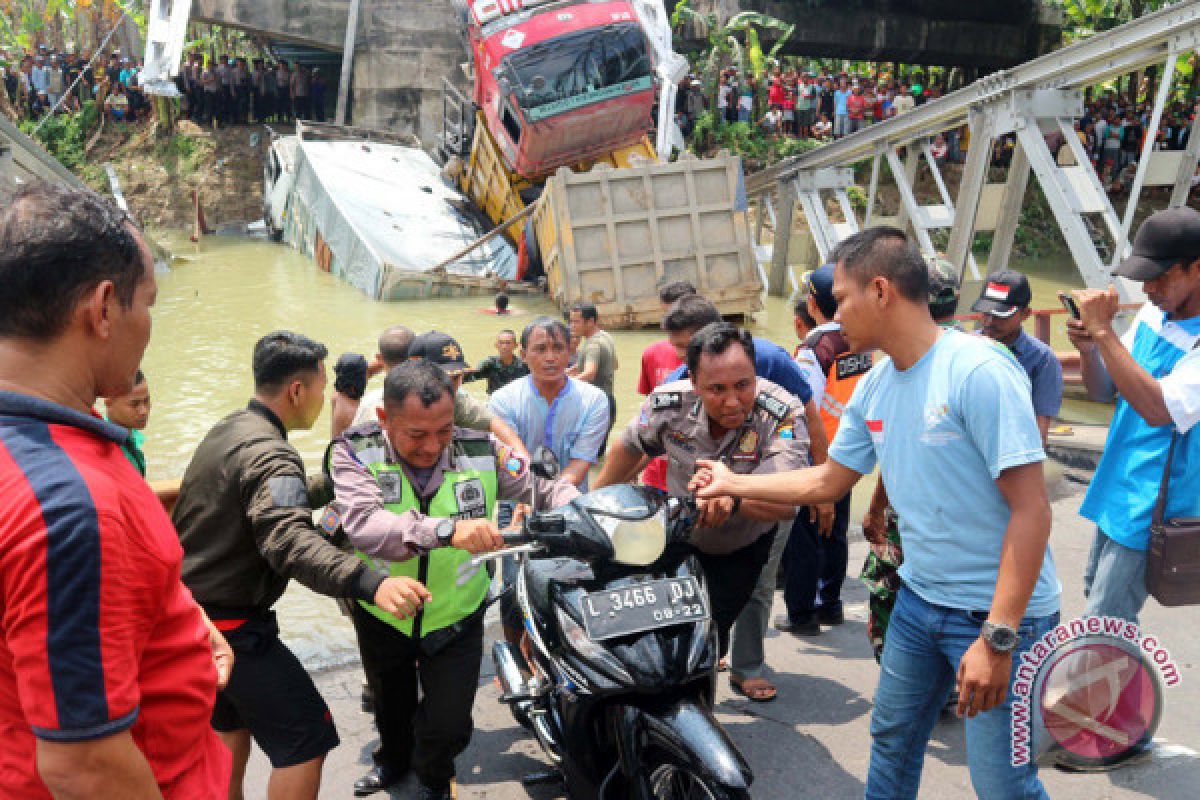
x=544, y=465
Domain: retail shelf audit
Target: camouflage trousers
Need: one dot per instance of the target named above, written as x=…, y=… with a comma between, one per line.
x=882, y=579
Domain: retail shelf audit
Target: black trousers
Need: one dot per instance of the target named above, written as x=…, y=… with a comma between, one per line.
x=731, y=580
x=424, y=735
x=815, y=565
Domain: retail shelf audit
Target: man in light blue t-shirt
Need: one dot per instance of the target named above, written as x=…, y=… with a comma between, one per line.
x=1154, y=371
x=949, y=421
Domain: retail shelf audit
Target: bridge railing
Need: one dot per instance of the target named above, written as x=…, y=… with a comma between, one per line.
x=1043, y=96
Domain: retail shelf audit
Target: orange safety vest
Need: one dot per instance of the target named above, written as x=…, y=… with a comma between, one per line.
x=844, y=375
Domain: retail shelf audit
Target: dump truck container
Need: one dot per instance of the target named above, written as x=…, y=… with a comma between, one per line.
x=612, y=237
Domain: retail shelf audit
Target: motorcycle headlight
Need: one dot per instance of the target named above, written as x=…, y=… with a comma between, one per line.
x=637, y=543
x=578, y=640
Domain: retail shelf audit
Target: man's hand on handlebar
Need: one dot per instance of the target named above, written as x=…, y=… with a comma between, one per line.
x=476, y=536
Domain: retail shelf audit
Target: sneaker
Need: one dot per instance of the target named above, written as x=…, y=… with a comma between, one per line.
x=831, y=616
x=435, y=792
x=809, y=627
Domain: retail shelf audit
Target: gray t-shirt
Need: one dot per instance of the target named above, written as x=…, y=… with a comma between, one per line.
x=599, y=348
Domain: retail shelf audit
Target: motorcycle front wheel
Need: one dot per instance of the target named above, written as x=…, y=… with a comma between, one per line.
x=673, y=782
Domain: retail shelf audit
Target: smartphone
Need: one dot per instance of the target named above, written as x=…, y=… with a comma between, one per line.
x=1069, y=304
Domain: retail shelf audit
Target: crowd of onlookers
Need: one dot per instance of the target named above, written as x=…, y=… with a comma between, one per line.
x=47, y=81
x=222, y=90
x=239, y=91
x=806, y=104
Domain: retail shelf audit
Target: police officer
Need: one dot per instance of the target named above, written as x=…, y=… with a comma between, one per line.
x=416, y=494
x=245, y=522
x=724, y=412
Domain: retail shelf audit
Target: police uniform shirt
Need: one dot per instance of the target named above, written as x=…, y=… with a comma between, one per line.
x=773, y=438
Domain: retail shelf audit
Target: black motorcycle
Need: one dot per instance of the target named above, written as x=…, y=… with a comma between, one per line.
x=621, y=672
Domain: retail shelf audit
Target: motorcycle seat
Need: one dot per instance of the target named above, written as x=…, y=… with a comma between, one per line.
x=541, y=573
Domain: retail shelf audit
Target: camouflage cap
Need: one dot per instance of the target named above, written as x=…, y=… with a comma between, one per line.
x=943, y=280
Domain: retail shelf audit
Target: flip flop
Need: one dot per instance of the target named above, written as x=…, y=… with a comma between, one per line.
x=766, y=693
x=722, y=666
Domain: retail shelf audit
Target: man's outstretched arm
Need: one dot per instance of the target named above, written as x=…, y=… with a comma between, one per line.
x=825, y=483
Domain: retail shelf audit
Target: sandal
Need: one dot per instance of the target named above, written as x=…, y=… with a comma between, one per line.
x=756, y=690
x=722, y=666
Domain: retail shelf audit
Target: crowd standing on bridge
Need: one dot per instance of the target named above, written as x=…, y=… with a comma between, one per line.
x=141, y=652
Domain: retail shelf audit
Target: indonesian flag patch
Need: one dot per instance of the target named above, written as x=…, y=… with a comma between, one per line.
x=997, y=291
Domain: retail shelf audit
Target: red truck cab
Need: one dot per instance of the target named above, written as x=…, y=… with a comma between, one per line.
x=560, y=82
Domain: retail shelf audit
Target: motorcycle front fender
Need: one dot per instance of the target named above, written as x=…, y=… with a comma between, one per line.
x=685, y=733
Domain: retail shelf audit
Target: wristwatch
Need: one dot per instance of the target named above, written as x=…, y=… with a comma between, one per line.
x=445, y=532
x=1001, y=638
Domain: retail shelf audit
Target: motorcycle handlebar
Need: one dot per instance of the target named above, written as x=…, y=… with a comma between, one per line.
x=515, y=537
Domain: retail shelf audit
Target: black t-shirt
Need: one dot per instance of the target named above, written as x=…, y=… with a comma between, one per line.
x=826, y=101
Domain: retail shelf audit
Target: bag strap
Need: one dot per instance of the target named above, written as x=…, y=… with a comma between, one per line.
x=1160, y=505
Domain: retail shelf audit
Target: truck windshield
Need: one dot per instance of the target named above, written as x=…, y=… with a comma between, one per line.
x=578, y=69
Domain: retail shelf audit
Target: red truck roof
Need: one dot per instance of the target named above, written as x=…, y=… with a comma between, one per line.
x=560, y=82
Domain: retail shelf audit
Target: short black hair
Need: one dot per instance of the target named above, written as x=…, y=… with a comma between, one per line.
x=422, y=378
x=502, y=302
x=801, y=311
x=56, y=244
x=394, y=344
x=690, y=313
x=587, y=310
x=509, y=331
x=715, y=339
x=675, y=290
x=279, y=356
x=885, y=252
x=554, y=328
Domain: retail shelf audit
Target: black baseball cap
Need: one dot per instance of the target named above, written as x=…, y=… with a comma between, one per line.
x=1005, y=293
x=441, y=349
x=1165, y=239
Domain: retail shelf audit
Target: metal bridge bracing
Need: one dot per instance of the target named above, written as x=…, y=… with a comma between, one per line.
x=1041, y=96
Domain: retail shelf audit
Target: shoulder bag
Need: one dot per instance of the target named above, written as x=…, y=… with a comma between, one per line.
x=1173, y=560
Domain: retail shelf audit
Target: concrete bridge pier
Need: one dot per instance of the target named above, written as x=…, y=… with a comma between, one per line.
x=403, y=50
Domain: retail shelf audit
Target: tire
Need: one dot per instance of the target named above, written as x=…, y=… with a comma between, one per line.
x=671, y=781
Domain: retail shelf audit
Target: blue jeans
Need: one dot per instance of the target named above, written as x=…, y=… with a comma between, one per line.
x=924, y=646
x=1114, y=580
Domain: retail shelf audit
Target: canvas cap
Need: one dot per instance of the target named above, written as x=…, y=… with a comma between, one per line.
x=441, y=349
x=943, y=280
x=1004, y=293
x=1165, y=239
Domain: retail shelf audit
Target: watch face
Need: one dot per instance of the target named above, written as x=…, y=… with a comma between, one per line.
x=1003, y=639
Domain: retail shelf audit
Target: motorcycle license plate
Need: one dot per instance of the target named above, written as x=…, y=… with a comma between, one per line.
x=643, y=607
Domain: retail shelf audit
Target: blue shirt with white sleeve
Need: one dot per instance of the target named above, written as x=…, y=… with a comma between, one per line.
x=1120, y=499
x=942, y=432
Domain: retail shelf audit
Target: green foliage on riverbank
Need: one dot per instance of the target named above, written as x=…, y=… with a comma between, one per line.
x=755, y=147
x=65, y=135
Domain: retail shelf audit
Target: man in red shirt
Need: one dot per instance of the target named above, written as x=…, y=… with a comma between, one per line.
x=108, y=668
x=658, y=361
x=856, y=107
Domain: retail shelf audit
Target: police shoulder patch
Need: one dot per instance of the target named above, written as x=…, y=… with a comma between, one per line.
x=772, y=405
x=661, y=401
